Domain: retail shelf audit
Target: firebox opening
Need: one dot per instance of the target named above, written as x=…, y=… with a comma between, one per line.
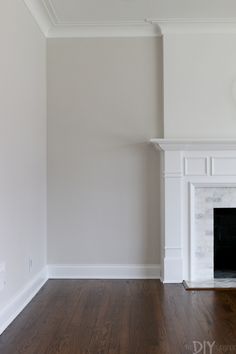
x=225, y=242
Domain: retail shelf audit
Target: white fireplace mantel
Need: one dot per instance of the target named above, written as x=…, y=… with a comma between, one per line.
x=187, y=164
x=194, y=144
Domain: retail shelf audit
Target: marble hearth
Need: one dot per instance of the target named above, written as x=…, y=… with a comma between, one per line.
x=197, y=176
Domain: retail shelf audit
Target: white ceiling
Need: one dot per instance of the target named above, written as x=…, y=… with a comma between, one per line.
x=80, y=17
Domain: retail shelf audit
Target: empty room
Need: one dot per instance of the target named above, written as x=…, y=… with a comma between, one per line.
x=118, y=177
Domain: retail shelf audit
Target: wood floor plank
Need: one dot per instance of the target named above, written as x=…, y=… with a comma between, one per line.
x=122, y=317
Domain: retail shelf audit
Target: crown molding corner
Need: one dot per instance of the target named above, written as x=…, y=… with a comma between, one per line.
x=40, y=14
x=53, y=27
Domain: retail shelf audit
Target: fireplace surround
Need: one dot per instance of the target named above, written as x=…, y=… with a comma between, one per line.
x=197, y=176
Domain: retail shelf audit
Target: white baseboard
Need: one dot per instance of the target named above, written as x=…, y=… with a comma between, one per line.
x=104, y=271
x=21, y=299
x=80, y=271
x=173, y=270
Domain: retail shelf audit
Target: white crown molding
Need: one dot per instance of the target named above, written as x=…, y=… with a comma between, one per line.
x=40, y=14
x=52, y=26
x=128, y=27
x=51, y=11
x=194, y=144
x=95, y=30
x=194, y=25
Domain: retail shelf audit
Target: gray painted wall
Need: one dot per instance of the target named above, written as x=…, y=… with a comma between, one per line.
x=22, y=147
x=104, y=104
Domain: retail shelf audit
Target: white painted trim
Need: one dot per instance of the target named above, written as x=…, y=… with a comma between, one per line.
x=51, y=11
x=222, y=172
x=194, y=25
x=39, y=12
x=128, y=27
x=171, y=281
x=52, y=26
x=194, y=144
x=103, y=30
x=9, y=313
x=188, y=172
x=21, y=299
x=178, y=216
x=191, y=239
x=104, y=271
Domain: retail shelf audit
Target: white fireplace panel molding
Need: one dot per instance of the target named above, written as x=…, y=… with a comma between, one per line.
x=197, y=176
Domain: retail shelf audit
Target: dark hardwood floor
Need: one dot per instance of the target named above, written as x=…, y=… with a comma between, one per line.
x=123, y=317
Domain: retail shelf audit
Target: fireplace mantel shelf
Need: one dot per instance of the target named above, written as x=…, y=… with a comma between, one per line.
x=194, y=144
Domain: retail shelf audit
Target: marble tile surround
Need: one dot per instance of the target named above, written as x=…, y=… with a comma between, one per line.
x=206, y=199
